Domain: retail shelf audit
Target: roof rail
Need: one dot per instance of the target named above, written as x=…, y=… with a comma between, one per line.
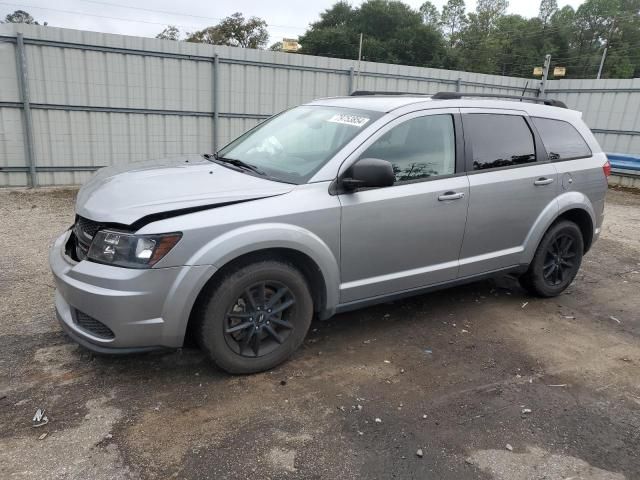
x=361, y=93
x=456, y=96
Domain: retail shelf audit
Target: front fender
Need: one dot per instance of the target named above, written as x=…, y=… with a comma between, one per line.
x=250, y=238
x=559, y=205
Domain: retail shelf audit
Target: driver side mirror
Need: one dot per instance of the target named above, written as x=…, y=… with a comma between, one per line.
x=368, y=173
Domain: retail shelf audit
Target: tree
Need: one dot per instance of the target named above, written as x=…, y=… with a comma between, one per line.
x=547, y=9
x=20, y=16
x=453, y=18
x=169, y=33
x=392, y=32
x=276, y=47
x=235, y=31
x=430, y=15
x=489, y=11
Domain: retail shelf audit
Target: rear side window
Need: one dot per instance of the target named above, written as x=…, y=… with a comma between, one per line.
x=499, y=140
x=561, y=139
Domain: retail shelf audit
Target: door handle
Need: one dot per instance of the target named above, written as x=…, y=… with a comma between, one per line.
x=451, y=196
x=543, y=181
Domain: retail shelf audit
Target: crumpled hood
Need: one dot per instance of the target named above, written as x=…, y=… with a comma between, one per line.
x=126, y=193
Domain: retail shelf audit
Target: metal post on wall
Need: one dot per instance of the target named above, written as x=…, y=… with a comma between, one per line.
x=350, y=81
x=545, y=75
x=458, y=84
x=216, y=98
x=21, y=60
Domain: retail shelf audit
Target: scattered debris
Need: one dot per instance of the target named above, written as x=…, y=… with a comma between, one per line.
x=424, y=416
x=359, y=407
x=360, y=433
x=615, y=319
x=43, y=436
x=509, y=447
x=465, y=331
x=386, y=315
x=558, y=385
x=366, y=342
x=569, y=317
x=40, y=419
x=525, y=304
x=378, y=420
x=341, y=408
x=402, y=370
x=419, y=453
x=283, y=382
x=428, y=351
x=387, y=361
x=526, y=410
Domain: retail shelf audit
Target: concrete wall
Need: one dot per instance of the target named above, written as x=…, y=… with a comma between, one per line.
x=100, y=99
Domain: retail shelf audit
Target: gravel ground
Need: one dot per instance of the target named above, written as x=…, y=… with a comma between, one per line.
x=486, y=381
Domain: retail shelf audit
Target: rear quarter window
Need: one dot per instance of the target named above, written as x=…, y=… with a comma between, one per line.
x=561, y=139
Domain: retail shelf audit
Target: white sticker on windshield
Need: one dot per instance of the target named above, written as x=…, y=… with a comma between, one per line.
x=353, y=120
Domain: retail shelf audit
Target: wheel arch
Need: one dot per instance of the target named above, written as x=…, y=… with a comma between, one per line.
x=303, y=262
x=573, y=206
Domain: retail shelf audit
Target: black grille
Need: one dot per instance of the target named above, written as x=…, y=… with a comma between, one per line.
x=84, y=231
x=93, y=326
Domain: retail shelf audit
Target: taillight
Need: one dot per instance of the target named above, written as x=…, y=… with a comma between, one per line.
x=606, y=168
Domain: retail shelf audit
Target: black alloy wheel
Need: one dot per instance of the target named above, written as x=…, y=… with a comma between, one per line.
x=259, y=320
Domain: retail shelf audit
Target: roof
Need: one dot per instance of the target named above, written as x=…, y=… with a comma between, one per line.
x=387, y=103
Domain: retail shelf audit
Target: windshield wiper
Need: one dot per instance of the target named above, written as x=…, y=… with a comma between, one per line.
x=236, y=163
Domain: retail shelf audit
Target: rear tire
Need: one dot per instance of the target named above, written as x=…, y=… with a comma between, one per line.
x=556, y=261
x=255, y=317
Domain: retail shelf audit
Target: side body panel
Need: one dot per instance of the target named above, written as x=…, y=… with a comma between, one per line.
x=504, y=204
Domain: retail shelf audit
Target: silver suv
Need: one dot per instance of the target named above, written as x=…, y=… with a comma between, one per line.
x=327, y=207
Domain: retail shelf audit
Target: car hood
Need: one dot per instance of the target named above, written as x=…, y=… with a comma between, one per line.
x=124, y=194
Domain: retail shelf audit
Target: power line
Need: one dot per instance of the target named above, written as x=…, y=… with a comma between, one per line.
x=167, y=12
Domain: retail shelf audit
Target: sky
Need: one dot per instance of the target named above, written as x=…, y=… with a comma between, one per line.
x=148, y=17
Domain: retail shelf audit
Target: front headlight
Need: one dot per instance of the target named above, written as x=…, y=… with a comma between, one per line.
x=129, y=250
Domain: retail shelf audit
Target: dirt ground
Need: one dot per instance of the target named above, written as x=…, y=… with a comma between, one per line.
x=486, y=381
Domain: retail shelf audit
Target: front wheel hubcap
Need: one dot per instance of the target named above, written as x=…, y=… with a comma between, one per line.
x=260, y=319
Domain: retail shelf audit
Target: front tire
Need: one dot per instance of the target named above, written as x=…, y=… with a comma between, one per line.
x=256, y=317
x=556, y=261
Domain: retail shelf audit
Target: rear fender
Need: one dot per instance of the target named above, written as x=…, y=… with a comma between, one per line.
x=559, y=205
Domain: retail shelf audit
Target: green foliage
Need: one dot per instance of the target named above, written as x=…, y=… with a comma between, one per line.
x=169, y=33
x=393, y=32
x=20, y=16
x=235, y=31
x=430, y=14
x=487, y=40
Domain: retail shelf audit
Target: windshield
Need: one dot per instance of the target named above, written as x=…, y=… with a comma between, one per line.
x=294, y=145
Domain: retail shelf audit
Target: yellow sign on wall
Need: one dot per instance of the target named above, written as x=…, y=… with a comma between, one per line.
x=559, y=71
x=537, y=71
x=290, y=45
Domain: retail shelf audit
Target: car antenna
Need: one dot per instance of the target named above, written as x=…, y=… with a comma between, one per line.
x=524, y=90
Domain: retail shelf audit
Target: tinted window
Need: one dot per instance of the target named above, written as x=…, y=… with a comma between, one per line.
x=561, y=139
x=418, y=148
x=499, y=140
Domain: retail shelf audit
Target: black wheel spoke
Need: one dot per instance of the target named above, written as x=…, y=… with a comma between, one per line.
x=262, y=293
x=252, y=301
x=273, y=333
x=256, y=344
x=282, y=323
x=239, y=314
x=276, y=296
x=283, y=306
x=240, y=326
x=566, y=263
x=247, y=339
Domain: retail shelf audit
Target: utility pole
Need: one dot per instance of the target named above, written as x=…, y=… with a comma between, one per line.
x=359, y=58
x=545, y=74
x=604, y=55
